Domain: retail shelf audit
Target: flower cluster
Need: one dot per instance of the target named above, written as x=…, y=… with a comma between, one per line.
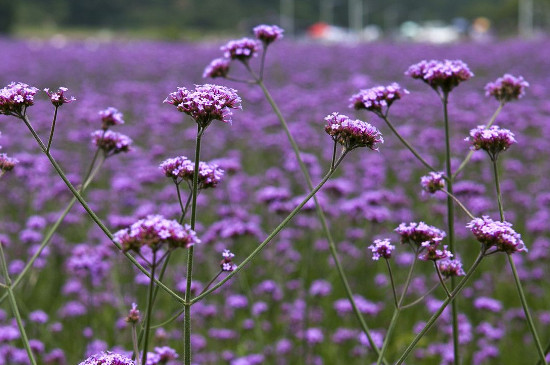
x=433, y=182
x=444, y=75
x=419, y=233
x=376, y=98
x=381, y=248
x=241, y=49
x=219, y=67
x=227, y=264
x=206, y=103
x=15, y=98
x=133, y=314
x=111, y=142
x=154, y=231
x=493, y=140
x=110, y=117
x=352, y=133
x=58, y=97
x=268, y=33
x=496, y=234
x=7, y=163
x=181, y=168
x=432, y=251
x=450, y=268
x=507, y=88
x=107, y=358
x=161, y=355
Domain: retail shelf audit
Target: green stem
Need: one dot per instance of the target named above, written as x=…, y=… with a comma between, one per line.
x=446, y=302
x=14, y=308
x=189, y=278
x=392, y=283
x=91, y=213
x=441, y=279
x=135, y=344
x=457, y=201
x=149, y=309
x=418, y=300
x=499, y=194
x=52, y=130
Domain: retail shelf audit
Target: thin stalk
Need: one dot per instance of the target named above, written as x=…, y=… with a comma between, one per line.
x=52, y=130
x=418, y=300
x=457, y=201
x=149, y=309
x=274, y=233
x=450, y=221
x=91, y=213
x=262, y=62
x=14, y=308
x=517, y=280
x=189, y=278
x=407, y=144
x=170, y=320
x=441, y=279
x=135, y=344
x=446, y=302
x=546, y=350
x=470, y=153
x=392, y=283
x=211, y=281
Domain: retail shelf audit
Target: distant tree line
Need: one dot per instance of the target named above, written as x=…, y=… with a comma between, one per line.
x=237, y=15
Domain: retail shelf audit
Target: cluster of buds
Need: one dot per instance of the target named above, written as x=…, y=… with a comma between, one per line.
x=268, y=34
x=443, y=76
x=352, y=133
x=493, y=140
x=227, y=262
x=381, y=248
x=496, y=234
x=111, y=142
x=7, y=163
x=15, y=98
x=58, y=97
x=507, y=88
x=377, y=98
x=433, y=182
x=449, y=268
x=107, y=358
x=181, y=168
x=133, y=315
x=418, y=233
x=110, y=117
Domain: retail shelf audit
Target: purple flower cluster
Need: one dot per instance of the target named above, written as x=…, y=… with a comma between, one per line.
x=377, y=98
x=507, y=88
x=381, y=248
x=15, y=98
x=431, y=251
x=433, y=182
x=241, y=49
x=181, y=168
x=110, y=117
x=444, y=75
x=206, y=103
x=450, y=268
x=268, y=33
x=497, y=234
x=219, y=67
x=133, y=314
x=493, y=140
x=227, y=264
x=352, y=133
x=419, y=233
x=7, y=163
x=111, y=142
x=58, y=97
x=107, y=358
x=153, y=231
x=161, y=356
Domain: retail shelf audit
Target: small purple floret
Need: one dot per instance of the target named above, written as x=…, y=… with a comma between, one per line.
x=241, y=49
x=381, y=248
x=377, y=98
x=268, y=33
x=444, y=75
x=15, y=98
x=432, y=182
x=181, y=168
x=107, y=358
x=497, y=234
x=450, y=268
x=217, y=68
x=507, y=88
x=419, y=233
x=110, y=117
x=111, y=142
x=493, y=140
x=58, y=97
x=352, y=133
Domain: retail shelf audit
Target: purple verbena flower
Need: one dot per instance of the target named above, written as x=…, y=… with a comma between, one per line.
x=107, y=358
x=352, y=133
x=377, y=98
x=166, y=354
x=38, y=316
x=217, y=68
x=268, y=33
x=507, y=88
x=241, y=49
x=450, y=268
x=381, y=248
x=226, y=264
x=133, y=314
x=433, y=182
x=15, y=98
x=111, y=142
x=7, y=163
x=419, y=233
x=58, y=97
x=493, y=140
x=153, y=231
x=444, y=75
x=431, y=251
x=181, y=168
x=206, y=103
x=497, y=234
x=110, y=117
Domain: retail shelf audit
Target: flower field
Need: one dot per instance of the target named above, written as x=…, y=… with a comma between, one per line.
x=288, y=305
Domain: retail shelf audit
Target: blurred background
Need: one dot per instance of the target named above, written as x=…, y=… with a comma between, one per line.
x=435, y=21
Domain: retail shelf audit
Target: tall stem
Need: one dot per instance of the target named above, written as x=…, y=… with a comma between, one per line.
x=497, y=186
x=52, y=130
x=14, y=308
x=187, y=314
x=149, y=309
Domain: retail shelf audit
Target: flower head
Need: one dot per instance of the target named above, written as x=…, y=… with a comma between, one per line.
x=181, y=168
x=107, y=358
x=419, y=233
x=352, y=133
x=268, y=33
x=15, y=98
x=493, y=140
x=450, y=268
x=206, y=103
x=110, y=117
x=432, y=182
x=377, y=98
x=7, y=163
x=111, y=142
x=154, y=231
x=133, y=315
x=432, y=251
x=217, y=68
x=241, y=49
x=58, y=97
x=381, y=248
x=507, y=88
x=227, y=264
x=444, y=75
x=496, y=234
